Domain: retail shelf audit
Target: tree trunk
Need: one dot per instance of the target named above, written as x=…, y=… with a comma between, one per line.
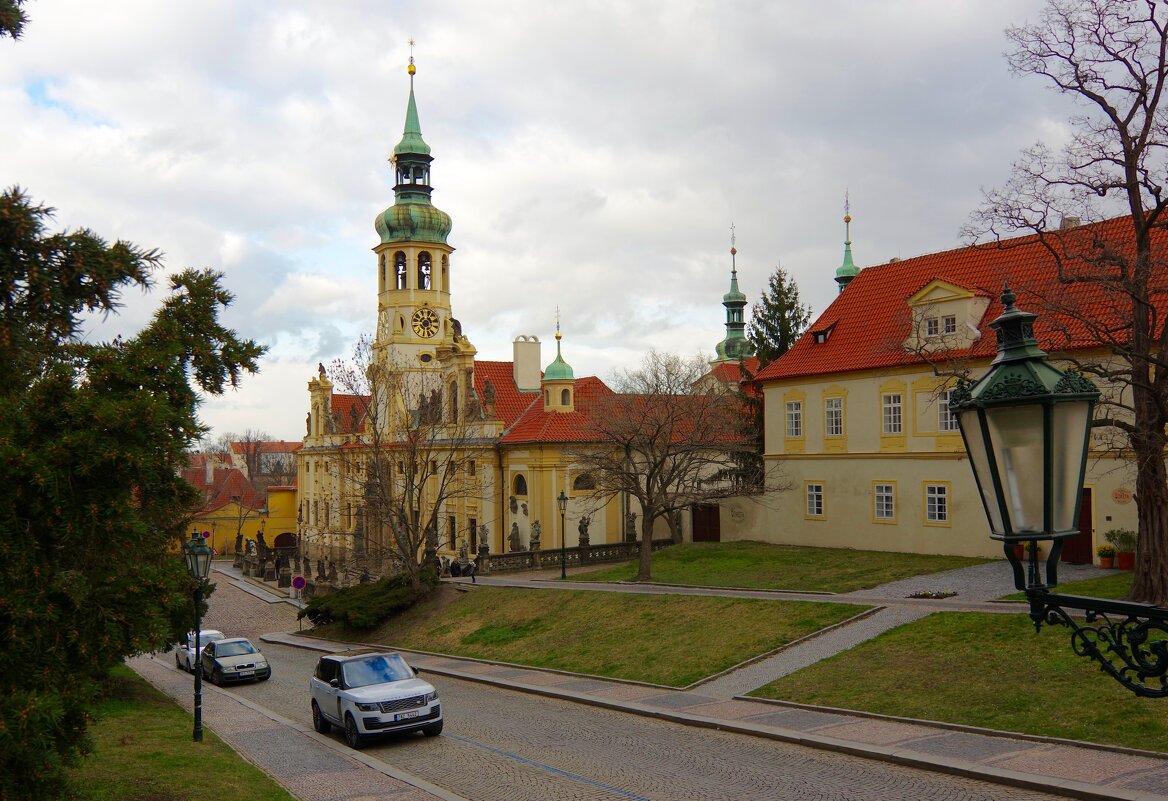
x=645, y=566
x=1150, y=582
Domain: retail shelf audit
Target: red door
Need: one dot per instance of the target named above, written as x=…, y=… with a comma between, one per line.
x=707, y=526
x=1078, y=549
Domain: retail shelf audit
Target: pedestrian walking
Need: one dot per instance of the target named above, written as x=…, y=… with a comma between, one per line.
x=470, y=570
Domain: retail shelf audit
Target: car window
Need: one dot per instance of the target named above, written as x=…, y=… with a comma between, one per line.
x=375, y=669
x=234, y=648
x=326, y=669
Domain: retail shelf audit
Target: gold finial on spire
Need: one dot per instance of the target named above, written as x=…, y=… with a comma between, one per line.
x=847, y=207
x=733, y=250
x=558, y=335
x=411, y=69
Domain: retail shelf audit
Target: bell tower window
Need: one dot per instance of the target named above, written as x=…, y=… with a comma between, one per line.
x=399, y=269
x=424, y=270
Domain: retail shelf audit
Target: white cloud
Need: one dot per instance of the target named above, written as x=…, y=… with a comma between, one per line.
x=592, y=155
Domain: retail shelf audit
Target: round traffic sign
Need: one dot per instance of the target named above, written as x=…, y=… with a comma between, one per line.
x=298, y=582
x=206, y=535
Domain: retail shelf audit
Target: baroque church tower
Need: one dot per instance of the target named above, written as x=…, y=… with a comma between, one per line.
x=414, y=320
x=735, y=347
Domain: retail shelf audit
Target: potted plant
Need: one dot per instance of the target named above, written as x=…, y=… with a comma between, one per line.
x=1106, y=555
x=1124, y=540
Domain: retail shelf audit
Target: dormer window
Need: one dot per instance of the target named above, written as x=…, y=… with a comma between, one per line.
x=932, y=327
x=949, y=324
x=819, y=337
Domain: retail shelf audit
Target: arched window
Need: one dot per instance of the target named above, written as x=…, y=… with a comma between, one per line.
x=565, y=397
x=399, y=270
x=424, y=270
x=520, y=485
x=381, y=264
x=547, y=398
x=454, y=401
x=584, y=481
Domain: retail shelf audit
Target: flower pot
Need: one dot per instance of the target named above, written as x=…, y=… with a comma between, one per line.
x=1126, y=561
x=1106, y=561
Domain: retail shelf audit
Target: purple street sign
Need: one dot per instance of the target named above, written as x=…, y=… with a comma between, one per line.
x=206, y=535
x=298, y=582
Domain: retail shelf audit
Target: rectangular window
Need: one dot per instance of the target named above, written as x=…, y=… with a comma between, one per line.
x=949, y=324
x=794, y=419
x=470, y=467
x=932, y=327
x=937, y=503
x=833, y=417
x=946, y=419
x=815, y=500
x=892, y=411
x=885, y=500
x=451, y=530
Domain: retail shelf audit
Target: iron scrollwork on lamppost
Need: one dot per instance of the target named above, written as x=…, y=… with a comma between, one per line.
x=1026, y=422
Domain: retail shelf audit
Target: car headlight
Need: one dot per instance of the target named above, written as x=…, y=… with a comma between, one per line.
x=433, y=696
x=369, y=707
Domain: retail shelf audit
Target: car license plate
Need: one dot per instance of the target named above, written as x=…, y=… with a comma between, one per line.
x=407, y=715
x=247, y=672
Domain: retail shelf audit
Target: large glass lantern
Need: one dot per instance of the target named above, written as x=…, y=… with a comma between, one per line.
x=198, y=557
x=1026, y=426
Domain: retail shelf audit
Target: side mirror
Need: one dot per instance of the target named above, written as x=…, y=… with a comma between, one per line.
x=334, y=683
x=415, y=671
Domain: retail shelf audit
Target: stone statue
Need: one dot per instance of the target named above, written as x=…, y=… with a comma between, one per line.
x=462, y=551
x=488, y=392
x=308, y=423
x=524, y=505
x=514, y=505
x=535, y=534
x=631, y=526
x=332, y=573
x=239, y=542
x=320, y=370
x=585, y=521
x=513, y=542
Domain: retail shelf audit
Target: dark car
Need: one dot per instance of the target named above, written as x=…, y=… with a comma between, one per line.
x=235, y=659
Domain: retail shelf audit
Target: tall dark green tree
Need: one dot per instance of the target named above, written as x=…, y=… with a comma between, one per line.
x=778, y=319
x=12, y=18
x=91, y=439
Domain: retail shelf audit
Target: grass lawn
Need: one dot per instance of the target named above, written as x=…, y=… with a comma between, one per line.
x=1113, y=585
x=982, y=670
x=144, y=752
x=757, y=565
x=672, y=640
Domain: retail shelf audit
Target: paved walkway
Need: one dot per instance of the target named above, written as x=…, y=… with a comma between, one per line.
x=1079, y=770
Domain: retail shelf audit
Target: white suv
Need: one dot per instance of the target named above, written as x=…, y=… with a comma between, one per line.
x=372, y=692
x=184, y=655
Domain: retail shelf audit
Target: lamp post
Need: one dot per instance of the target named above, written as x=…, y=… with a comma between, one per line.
x=198, y=560
x=1027, y=426
x=562, y=502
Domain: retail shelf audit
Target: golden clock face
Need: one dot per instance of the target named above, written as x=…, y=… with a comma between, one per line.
x=425, y=322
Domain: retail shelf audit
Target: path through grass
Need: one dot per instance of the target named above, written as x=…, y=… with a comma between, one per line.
x=663, y=639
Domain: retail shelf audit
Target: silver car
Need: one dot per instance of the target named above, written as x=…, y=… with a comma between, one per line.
x=372, y=692
x=234, y=659
x=185, y=657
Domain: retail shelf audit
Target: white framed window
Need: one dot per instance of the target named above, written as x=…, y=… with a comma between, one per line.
x=892, y=412
x=884, y=500
x=946, y=418
x=932, y=327
x=833, y=417
x=937, y=503
x=794, y=419
x=949, y=324
x=814, y=500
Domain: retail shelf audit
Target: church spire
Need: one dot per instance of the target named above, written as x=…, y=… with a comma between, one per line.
x=735, y=347
x=412, y=218
x=848, y=270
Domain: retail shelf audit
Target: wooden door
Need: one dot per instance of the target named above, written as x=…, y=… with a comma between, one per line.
x=1078, y=550
x=707, y=526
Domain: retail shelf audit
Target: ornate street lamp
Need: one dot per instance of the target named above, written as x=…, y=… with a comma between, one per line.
x=1027, y=427
x=198, y=559
x=562, y=502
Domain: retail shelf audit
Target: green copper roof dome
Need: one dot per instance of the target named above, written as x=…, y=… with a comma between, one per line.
x=412, y=218
x=559, y=370
x=848, y=270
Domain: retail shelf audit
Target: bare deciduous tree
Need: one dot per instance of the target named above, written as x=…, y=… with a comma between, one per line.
x=662, y=438
x=407, y=454
x=1109, y=57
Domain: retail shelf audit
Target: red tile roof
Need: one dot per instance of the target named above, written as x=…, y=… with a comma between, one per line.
x=226, y=485
x=349, y=412
x=536, y=425
x=868, y=322
x=510, y=403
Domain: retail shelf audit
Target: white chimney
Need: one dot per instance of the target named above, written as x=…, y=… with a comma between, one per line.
x=210, y=465
x=526, y=368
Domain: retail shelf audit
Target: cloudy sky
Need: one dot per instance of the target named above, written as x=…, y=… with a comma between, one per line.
x=593, y=155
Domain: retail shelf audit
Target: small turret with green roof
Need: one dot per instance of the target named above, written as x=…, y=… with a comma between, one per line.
x=412, y=218
x=735, y=347
x=848, y=270
x=559, y=370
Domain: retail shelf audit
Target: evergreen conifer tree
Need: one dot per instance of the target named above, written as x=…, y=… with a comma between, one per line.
x=778, y=319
